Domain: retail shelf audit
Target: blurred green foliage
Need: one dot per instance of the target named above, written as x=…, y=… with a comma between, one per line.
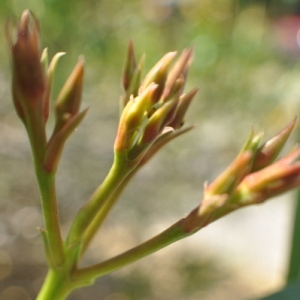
x=246, y=75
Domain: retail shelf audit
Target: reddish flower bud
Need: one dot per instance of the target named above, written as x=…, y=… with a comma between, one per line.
x=133, y=83
x=69, y=99
x=275, y=179
x=269, y=151
x=29, y=81
x=183, y=105
x=129, y=66
x=179, y=70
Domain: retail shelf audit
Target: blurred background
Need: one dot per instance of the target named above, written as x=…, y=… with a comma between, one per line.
x=246, y=63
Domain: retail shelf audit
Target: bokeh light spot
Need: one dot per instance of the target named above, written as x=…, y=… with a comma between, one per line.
x=207, y=50
x=116, y=296
x=14, y=293
x=5, y=264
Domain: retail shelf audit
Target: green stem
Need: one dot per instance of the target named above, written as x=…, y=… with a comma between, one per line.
x=88, y=213
x=103, y=213
x=294, y=263
x=36, y=132
x=55, y=248
x=165, y=238
x=46, y=181
x=55, y=287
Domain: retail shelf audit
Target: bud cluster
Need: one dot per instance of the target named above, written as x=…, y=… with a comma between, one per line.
x=155, y=106
x=253, y=177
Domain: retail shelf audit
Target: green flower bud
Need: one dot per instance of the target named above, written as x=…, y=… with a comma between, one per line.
x=158, y=74
x=133, y=117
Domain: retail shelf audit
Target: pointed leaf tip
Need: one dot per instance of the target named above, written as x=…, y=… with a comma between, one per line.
x=130, y=66
x=270, y=150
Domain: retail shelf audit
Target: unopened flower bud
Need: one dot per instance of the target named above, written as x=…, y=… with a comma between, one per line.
x=229, y=179
x=269, y=151
x=29, y=82
x=158, y=74
x=275, y=179
x=182, y=107
x=179, y=70
x=50, y=74
x=129, y=66
x=158, y=121
x=69, y=99
x=232, y=176
x=133, y=116
x=134, y=83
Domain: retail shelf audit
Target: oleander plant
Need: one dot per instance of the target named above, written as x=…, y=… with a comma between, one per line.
x=153, y=109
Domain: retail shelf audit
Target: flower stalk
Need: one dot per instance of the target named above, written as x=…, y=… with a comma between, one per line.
x=243, y=187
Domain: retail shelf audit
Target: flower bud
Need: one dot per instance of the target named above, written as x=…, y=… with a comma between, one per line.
x=158, y=74
x=231, y=177
x=179, y=70
x=269, y=151
x=133, y=116
x=69, y=99
x=28, y=83
x=158, y=121
x=134, y=83
x=275, y=179
x=129, y=66
x=183, y=105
